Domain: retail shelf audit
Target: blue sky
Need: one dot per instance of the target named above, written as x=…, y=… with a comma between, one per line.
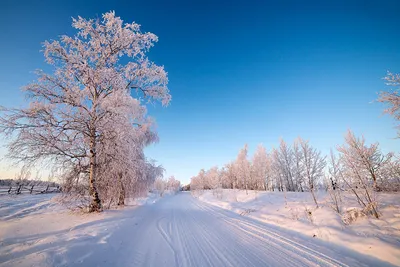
x=240, y=71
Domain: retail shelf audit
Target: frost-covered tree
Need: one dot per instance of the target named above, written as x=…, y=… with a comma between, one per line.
x=277, y=171
x=228, y=176
x=122, y=166
x=160, y=185
x=71, y=108
x=334, y=180
x=200, y=181
x=173, y=185
x=392, y=97
x=366, y=160
x=213, y=178
x=391, y=173
x=298, y=166
x=284, y=165
x=363, y=167
x=312, y=164
x=242, y=168
x=261, y=169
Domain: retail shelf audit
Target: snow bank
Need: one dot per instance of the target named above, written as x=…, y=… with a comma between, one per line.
x=297, y=211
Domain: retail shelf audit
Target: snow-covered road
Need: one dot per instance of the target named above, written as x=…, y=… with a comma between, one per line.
x=183, y=231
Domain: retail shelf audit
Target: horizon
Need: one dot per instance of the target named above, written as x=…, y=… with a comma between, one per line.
x=237, y=74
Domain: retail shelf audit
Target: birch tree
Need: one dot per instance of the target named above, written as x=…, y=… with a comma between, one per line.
x=242, y=168
x=260, y=169
x=70, y=108
x=298, y=165
x=362, y=165
x=313, y=164
x=334, y=181
x=213, y=178
x=229, y=176
x=283, y=160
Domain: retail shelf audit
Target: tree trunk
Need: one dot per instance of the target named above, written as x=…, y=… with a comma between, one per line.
x=95, y=202
x=376, y=188
x=313, y=195
x=121, y=200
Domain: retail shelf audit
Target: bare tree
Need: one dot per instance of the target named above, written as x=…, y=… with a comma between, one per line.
x=362, y=166
x=313, y=165
x=242, y=168
x=261, y=169
x=298, y=166
x=367, y=159
x=333, y=180
x=284, y=166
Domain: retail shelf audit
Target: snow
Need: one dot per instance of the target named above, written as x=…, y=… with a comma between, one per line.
x=378, y=238
x=176, y=230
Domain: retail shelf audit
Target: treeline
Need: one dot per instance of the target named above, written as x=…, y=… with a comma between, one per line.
x=162, y=185
x=354, y=166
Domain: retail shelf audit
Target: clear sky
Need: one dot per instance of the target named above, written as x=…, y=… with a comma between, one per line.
x=240, y=71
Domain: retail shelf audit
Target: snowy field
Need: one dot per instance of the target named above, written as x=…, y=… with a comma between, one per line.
x=176, y=230
x=297, y=212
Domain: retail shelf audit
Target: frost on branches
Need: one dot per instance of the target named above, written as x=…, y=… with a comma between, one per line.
x=171, y=185
x=88, y=117
x=392, y=98
x=357, y=168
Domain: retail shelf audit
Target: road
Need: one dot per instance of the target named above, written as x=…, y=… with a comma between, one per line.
x=179, y=231
x=182, y=231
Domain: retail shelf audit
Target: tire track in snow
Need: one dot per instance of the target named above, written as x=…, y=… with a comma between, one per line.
x=254, y=248
x=203, y=235
x=246, y=248
x=167, y=239
x=293, y=244
x=256, y=231
x=298, y=253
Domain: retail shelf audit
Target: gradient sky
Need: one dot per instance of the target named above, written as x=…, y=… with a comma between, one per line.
x=240, y=71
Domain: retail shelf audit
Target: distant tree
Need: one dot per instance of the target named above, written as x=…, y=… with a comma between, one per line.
x=160, y=185
x=298, y=166
x=242, y=168
x=284, y=167
x=213, y=178
x=173, y=185
x=334, y=180
x=313, y=165
x=229, y=176
x=200, y=181
x=261, y=169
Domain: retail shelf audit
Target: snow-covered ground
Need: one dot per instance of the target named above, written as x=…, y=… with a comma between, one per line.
x=297, y=212
x=177, y=230
x=35, y=230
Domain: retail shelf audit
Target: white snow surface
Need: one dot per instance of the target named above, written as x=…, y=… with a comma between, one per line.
x=291, y=210
x=176, y=230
